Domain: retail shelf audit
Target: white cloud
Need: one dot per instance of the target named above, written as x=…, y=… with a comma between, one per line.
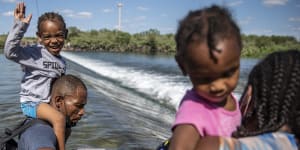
x=9, y=13
x=141, y=8
x=84, y=14
x=296, y=28
x=72, y=14
x=67, y=11
x=140, y=18
x=164, y=15
x=274, y=2
x=9, y=1
x=294, y=19
x=235, y=3
x=245, y=21
x=107, y=10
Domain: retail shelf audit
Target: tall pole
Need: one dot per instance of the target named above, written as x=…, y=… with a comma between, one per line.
x=119, y=19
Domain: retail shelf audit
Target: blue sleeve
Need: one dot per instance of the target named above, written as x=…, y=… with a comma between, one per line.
x=37, y=136
x=266, y=141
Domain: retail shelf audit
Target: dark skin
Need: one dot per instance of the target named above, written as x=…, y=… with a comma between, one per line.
x=52, y=35
x=214, y=142
x=70, y=103
x=213, y=81
x=72, y=106
x=19, y=13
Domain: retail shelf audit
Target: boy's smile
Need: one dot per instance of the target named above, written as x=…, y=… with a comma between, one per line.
x=52, y=35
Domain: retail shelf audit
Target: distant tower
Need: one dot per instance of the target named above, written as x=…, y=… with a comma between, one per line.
x=120, y=5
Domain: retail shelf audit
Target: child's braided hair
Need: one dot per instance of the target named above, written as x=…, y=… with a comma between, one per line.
x=52, y=16
x=275, y=85
x=209, y=25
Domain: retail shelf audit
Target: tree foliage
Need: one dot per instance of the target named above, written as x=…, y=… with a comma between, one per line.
x=153, y=42
x=2, y=41
x=258, y=46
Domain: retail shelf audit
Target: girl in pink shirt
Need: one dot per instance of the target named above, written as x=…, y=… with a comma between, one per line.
x=209, y=45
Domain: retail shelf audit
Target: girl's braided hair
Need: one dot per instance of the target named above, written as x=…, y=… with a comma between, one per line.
x=208, y=25
x=275, y=85
x=52, y=16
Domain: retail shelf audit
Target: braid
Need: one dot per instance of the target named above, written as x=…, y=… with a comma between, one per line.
x=294, y=90
x=209, y=25
x=276, y=100
x=275, y=91
x=52, y=16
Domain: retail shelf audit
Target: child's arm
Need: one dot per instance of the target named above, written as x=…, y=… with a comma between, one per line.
x=211, y=143
x=185, y=137
x=12, y=49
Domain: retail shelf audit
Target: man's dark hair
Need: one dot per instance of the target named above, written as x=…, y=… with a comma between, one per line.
x=67, y=84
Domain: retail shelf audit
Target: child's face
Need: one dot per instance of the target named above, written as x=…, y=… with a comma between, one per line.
x=52, y=35
x=213, y=80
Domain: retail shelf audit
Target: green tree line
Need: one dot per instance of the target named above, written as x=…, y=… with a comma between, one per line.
x=2, y=41
x=152, y=42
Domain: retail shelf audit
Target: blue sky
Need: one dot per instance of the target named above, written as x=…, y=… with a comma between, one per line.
x=261, y=17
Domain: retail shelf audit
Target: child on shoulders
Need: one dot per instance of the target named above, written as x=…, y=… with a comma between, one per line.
x=41, y=65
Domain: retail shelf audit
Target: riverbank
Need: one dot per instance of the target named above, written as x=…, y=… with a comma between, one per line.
x=151, y=42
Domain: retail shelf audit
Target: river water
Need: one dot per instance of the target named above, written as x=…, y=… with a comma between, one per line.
x=132, y=98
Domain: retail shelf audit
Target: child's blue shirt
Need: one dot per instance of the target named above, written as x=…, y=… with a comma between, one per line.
x=267, y=141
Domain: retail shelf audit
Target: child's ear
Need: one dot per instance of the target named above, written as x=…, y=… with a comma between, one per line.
x=180, y=64
x=39, y=37
x=66, y=33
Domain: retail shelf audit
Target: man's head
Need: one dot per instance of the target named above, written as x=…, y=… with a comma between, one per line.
x=69, y=96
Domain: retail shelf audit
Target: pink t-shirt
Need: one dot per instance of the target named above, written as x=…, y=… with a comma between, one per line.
x=207, y=118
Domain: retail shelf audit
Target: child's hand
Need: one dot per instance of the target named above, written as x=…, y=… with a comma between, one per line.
x=19, y=13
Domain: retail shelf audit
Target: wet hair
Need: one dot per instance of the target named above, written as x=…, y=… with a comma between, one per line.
x=209, y=25
x=50, y=16
x=275, y=98
x=67, y=85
